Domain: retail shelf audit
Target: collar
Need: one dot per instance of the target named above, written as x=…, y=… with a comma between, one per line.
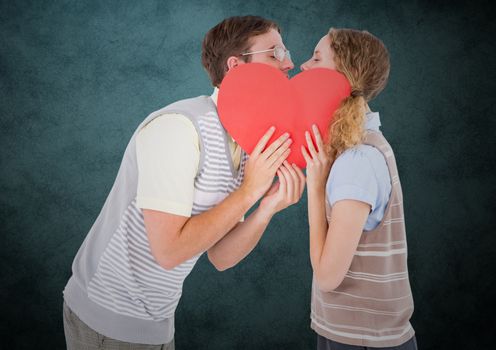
x=215, y=95
x=372, y=121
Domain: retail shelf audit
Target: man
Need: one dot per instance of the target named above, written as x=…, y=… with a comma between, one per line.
x=182, y=189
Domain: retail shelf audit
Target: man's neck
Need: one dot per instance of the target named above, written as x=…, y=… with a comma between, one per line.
x=215, y=95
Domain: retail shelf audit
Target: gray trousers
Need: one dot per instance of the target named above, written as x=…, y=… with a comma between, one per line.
x=327, y=344
x=78, y=336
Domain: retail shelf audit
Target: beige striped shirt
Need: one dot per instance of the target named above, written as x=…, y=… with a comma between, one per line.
x=373, y=305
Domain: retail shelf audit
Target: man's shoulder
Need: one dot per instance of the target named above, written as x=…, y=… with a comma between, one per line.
x=188, y=105
x=179, y=111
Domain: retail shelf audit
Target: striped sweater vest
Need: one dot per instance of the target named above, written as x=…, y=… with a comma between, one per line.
x=373, y=305
x=117, y=288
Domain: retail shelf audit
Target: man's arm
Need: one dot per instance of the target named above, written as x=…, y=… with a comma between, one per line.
x=241, y=240
x=175, y=238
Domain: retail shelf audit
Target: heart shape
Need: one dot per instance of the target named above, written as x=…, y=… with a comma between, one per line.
x=254, y=96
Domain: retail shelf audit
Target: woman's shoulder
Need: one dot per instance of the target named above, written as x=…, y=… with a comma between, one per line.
x=361, y=159
x=360, y=153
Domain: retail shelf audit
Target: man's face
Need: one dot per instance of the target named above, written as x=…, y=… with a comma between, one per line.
x=262, y=42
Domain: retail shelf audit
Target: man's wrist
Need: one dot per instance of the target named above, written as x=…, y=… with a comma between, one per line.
x=247, y=196
x=264, y=215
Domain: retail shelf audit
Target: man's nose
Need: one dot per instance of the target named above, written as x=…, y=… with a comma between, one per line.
x=287, y=64
x=304, y=67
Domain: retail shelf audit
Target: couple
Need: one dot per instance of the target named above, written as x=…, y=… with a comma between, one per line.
x=184, y=186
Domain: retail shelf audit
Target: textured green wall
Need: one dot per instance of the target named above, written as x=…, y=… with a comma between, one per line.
x=76, y=78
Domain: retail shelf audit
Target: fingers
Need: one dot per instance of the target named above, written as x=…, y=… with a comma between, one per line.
x=299, y=172
x=318, y=138
x=273, y=189
x=276, y=152
x=294, y=182
x=289, y=183
x=305, y=154
x=302, y=178
x=298, y=180
x=280, y=155
x=279, y=145
x=263, y=141
x=311, y=147
x=282, y=182
x=290, y=187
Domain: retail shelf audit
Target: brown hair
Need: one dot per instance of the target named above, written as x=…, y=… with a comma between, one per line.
x=231, y=37
x=364, y=60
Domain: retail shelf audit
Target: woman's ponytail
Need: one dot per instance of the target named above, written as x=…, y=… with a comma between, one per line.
x=364, y=60
x=346, y=128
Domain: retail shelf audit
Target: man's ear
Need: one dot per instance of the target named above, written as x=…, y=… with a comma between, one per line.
x=232, y=62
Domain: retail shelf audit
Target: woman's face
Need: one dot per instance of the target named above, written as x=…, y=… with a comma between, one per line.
x=323, y=57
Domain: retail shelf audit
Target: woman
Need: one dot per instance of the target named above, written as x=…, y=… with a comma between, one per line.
x=361, y=295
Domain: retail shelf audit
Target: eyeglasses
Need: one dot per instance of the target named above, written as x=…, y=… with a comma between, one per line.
x=280, y=53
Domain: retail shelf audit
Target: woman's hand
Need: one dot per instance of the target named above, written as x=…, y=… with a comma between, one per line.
x=318, y=163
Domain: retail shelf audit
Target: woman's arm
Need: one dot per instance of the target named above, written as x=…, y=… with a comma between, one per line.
x=332, y=244
x=332, y=250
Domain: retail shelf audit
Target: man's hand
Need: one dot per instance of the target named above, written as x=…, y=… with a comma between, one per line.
x=287, y=191
x=240, y=241
x=260, y=171
x=262, y=166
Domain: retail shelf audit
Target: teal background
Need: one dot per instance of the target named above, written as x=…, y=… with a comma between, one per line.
x=77, y=77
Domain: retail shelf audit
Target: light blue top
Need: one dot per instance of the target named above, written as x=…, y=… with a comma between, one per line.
x=361, y=173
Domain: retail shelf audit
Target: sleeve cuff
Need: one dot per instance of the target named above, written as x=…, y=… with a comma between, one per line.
x=164, y=206
x=353, y=193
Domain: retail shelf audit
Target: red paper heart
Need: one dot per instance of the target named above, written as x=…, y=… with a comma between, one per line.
x=253, y=97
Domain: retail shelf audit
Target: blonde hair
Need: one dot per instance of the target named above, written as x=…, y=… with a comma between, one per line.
x=364, y=60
